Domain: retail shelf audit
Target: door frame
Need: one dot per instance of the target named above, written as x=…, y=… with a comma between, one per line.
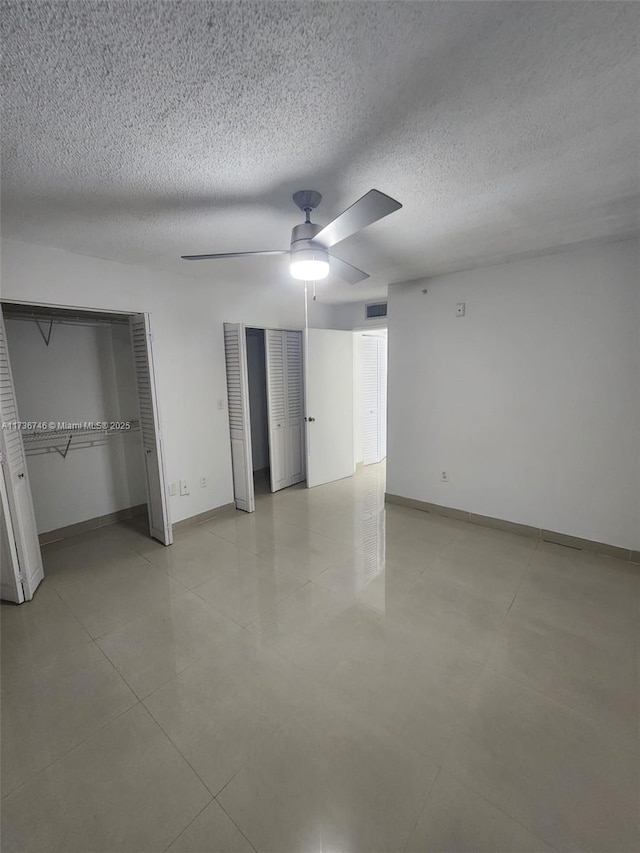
x=303, y=355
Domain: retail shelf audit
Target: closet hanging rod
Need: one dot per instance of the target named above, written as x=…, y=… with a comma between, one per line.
x=67, y=321
x=61, y=441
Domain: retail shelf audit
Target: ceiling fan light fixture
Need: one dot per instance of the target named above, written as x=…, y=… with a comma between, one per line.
x=309, y=264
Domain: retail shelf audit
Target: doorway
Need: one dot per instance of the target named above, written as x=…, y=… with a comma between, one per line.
x=86, y=449
x=308, y=383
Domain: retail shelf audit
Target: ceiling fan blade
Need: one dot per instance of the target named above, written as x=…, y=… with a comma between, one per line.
x=347, y=272
x=372, y=206
x=232, y=255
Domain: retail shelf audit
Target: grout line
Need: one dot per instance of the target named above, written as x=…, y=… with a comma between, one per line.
x=76, y=746
x=235, y=824
x=530, y=830
x=600, y=724
x=424, y=805
x=182, y=831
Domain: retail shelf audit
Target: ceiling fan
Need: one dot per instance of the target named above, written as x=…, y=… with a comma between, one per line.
x=310, y=242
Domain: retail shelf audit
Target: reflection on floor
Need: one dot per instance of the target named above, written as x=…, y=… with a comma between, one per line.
x=323, y=675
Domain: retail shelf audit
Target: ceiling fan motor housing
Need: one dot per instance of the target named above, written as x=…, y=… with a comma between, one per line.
x=302, y=246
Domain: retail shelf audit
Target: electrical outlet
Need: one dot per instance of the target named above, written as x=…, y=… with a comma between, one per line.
x=444, y=477
x=173, y=488
x=203, y=482
x=184, y=487
x=460, y=309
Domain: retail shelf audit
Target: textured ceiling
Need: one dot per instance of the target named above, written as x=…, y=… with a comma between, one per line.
x=143, y=131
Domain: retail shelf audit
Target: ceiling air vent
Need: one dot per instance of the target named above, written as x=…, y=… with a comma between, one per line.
x=374, y=310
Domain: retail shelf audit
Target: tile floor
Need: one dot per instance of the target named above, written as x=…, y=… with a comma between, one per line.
x=323, y=676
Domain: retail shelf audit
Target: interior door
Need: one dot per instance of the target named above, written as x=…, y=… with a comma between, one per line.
x=235, y=350
x=374, y=398
x=370, y=400
x=24, y=572
x=329, y=404
x=382, y=397
x=285, y=407
x=150, y=430
x=274, y=344
x=295, y=407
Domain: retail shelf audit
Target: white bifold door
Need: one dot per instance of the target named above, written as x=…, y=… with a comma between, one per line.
x=285, y=407
x=21, y=568
x=374, y=398
x=329, y=386
x=235, y=351
x=150, y=430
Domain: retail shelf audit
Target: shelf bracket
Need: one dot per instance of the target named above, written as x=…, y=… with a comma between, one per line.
x=64, y=452
x=45, y=337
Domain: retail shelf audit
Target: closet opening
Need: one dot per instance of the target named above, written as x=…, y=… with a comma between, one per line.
x=265, y=389
x=80, y=444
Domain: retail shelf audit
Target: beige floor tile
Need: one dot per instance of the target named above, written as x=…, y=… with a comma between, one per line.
x=310, y=515
x=433, y=528
x=351, y=575
x=104, y=597
x=135, y=533
x=38, y=632
x=212, y=831
x=509, y=546
x=565, y=597
x=479, y=572
x=354, y=528
x=251, y=531
x=574, y=669
x=432, y=604
x=416, y=689
x=457, y=820
x=548, y=767
x=48, y=710
x=104, y=545
x=322, y=645
x=306, y=610
x=221, y=709
x=127, y=789
x=308, y=555
x=329, y=780
x=408, y=546
x=245, y=592
x=152, y=649
x=193, y=561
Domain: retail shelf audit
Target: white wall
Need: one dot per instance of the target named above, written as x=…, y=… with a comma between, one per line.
x=352, y=315
x=187, y=316
x=531, y=402
x=85, y=374
x=258, y=399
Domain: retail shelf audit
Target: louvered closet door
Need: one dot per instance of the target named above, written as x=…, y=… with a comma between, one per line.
x=295, y=407
x=370, y=400
x=274, y=342
x=23, y=574
x=382, y=397
x=152, y=443
x=285, y=406
x=235, y=350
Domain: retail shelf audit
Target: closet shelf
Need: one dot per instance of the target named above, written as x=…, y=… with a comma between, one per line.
x=62, y=440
